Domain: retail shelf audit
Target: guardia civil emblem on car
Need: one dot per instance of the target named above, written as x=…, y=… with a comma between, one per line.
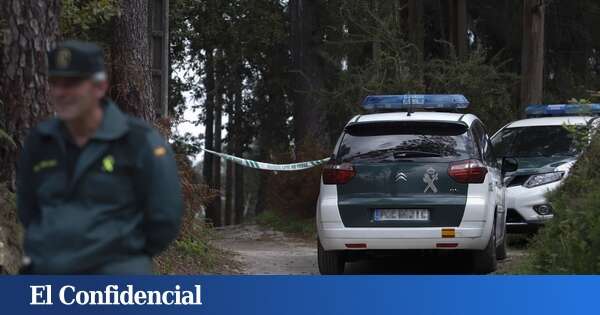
x=429, y=178
x=400, y=176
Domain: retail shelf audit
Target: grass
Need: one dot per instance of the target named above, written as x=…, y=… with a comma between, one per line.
x=192, y=254
x=299, y=227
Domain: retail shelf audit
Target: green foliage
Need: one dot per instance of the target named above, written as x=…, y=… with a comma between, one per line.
x=87, y=19
x=192, y=253
x=288, y=223
x=396, y=66
x=481, y=79
x=570, y=243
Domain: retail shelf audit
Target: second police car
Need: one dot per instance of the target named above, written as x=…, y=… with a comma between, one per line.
x=405, y=180
x=546, y=146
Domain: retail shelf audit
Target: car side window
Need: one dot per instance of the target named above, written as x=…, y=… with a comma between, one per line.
x=488, y=149
x=484, y=143
x=477, y=136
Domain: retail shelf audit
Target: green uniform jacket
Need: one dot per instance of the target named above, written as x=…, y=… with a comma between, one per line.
x=121, y=206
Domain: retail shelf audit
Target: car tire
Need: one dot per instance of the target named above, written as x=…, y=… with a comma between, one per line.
x=330, y=262
x=501, y=250
x=484, y=261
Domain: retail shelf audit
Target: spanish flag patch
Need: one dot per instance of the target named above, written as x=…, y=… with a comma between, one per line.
x=160, y=151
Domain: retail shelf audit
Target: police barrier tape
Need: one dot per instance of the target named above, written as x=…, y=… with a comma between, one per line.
x=269, y=166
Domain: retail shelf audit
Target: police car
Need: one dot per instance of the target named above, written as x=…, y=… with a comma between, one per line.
x=546, y=150
x=412, y=180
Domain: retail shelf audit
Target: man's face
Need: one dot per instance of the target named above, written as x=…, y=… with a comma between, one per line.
x=75, y=97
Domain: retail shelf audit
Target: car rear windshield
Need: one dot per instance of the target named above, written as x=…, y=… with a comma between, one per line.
x=392, y=141
x=536, y=141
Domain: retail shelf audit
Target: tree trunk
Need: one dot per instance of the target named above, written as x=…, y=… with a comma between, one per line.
x=209, y=83
x=220, y=73
x=532, y=58
x=131, y=80
x=307, y=72
x=238, y=171
x=416, y=29
x=458, y=27
x=229, y=191
x=28, y=29
x=239, y=194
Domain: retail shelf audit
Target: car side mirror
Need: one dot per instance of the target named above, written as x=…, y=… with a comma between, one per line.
x=509, y=165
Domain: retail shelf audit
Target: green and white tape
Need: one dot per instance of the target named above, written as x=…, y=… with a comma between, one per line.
x=269, y=166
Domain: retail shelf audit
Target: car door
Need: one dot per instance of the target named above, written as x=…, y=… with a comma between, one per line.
x=496, y=187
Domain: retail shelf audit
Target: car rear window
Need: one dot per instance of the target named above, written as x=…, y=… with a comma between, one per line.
x=391, y=141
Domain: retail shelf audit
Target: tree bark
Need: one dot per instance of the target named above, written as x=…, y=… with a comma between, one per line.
x=220, y=73
x=209, y=106
x=416, y=29
x=238, y=149
x=307, y=71
x=458, y=27
x=532, y=57
x=239, y=194
x=229, y=192
x=131, y=80
x=28, y=30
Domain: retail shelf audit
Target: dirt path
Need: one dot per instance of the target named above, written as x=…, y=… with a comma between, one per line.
x=262, y=251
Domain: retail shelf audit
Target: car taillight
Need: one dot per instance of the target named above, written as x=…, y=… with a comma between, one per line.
x=338, y=174
x=468, y=171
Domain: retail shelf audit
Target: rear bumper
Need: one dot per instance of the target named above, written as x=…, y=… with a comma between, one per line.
x=470, y=235
x=473, y=233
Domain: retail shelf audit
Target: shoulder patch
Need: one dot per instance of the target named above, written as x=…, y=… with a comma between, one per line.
x=160, y=151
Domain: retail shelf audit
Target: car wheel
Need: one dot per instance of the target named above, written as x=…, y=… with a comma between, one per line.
x=330, y=262
x=501, y=250
x=484, y=261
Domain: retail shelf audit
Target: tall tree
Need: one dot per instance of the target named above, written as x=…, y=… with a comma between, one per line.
x=209, y=122
x=28, y=29
x=458, y=26
x=416, y=29
x=220, y=91
x=308, y=71
x=130, y=62
x=532, y=60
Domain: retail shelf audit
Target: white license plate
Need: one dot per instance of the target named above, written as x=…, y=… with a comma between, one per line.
x=401, y=215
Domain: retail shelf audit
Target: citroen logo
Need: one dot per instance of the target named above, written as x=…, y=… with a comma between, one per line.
x=401, y=176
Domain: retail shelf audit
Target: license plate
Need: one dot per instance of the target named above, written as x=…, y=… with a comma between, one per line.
x=401, y=215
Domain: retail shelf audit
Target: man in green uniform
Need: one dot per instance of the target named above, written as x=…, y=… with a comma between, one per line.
x=97, y=190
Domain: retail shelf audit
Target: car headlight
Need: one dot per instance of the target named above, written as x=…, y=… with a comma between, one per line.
x=542, y=179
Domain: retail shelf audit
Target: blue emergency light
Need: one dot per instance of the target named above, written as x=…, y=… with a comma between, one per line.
x=562, y=110
x=411, y=102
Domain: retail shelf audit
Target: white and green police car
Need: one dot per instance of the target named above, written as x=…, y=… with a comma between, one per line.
x=546, y=150
x=412, y=180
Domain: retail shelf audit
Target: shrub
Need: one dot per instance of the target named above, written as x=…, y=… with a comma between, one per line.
x=570, y=243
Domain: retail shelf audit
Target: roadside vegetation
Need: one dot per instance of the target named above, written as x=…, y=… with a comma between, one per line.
x=570, y=243
x=298, y=227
